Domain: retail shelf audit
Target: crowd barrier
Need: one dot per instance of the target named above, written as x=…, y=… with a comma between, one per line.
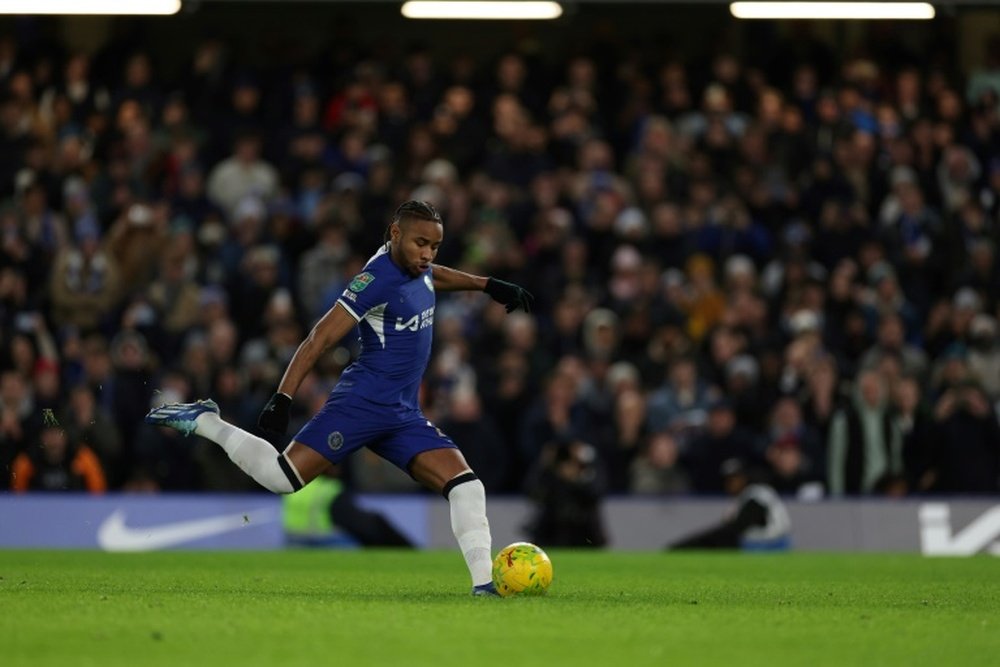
x=122, y=522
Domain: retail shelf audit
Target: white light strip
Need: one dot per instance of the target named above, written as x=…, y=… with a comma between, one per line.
x=459, y=9
x=145, y=7
x=832, y=10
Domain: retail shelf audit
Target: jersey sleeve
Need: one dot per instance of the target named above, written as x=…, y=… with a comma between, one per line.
x=364, y=292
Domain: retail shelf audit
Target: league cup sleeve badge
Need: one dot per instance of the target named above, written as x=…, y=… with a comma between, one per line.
x=361, y=281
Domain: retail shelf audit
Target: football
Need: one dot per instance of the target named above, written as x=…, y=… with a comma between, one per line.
x=522, y=569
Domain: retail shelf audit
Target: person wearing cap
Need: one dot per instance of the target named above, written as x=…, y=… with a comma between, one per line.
x=722, y=439
x=757, y=520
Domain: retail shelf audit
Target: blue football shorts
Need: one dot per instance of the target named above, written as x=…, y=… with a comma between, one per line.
x=348, y=422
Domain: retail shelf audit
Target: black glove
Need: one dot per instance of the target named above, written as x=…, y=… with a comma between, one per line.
x=511, y=295
x=274, y=417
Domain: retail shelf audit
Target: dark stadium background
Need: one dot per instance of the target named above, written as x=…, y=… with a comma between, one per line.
x=274, y=47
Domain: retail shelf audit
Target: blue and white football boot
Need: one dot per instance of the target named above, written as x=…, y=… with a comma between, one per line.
x=181, y=416
x=485, y=590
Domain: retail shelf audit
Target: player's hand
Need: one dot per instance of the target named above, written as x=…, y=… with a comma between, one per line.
x=510, y=295
x=275, y=415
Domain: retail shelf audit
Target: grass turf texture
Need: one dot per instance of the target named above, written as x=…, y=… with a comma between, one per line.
x=408, y=608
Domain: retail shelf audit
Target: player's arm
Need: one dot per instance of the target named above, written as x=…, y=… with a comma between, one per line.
x=330, y=329
x=512, y=296
x=447, y=279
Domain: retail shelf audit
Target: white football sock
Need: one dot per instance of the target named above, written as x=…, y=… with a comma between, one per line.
x=255, y=456
x=472, y=529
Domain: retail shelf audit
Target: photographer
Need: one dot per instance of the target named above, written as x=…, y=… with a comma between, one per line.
x=757, y=520
x=966, y=455
x=568, y=487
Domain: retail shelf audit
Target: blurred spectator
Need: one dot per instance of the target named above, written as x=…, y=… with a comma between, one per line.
x=864, y=444
x=319, y=264
x=567, y=488
x=475, y=433
x=244, y=173
x=85, y=279
x=56, y=463
x=916, y=427
x=19, y=422
x=793, y=450
x=96, y=430
x=174, y=294
x=656, y=470
x=558, y=416
x=984, y=354
x=682, y=402
x=966, y=454
x=628, y=420
x=131, y=381
x=890, y=341
x=721, y=440
x=136, y=241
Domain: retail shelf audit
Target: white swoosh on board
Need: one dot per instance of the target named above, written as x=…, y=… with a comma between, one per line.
x=114, y=535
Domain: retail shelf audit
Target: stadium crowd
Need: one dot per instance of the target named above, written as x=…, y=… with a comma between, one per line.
x=791, y=263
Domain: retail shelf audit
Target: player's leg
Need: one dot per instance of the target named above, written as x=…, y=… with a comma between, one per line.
x=284, y=472
x=446, y=471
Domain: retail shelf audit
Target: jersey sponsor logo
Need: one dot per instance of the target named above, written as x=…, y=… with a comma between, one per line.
x=412, y=324
x=938, y=538
x=350, y=296
x=114, y=535
x=361, y=281
x=421, y=320
x=335, y=440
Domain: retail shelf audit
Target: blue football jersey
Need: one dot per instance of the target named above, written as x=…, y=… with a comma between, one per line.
x=395, y=314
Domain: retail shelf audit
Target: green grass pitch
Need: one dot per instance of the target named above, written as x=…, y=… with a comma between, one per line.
x=363, y=608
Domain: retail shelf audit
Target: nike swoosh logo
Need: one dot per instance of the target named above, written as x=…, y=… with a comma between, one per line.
x=114, y=535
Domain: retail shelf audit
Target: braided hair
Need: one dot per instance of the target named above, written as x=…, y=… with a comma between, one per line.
x=413, y=208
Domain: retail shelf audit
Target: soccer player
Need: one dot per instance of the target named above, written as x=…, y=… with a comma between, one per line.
x=374, y=404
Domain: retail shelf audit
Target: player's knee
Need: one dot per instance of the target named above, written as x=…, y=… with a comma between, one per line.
x=466, y=485
x=277, y=476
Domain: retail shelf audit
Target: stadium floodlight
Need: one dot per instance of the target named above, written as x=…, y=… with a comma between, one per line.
x=485, y=9
x=833, y=10
x=92, y=7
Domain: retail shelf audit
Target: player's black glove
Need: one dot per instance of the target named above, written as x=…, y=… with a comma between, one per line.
x=511, y=295
x=275, y=415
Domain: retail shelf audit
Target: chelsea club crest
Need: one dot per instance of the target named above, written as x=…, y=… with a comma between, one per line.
x=335, y=440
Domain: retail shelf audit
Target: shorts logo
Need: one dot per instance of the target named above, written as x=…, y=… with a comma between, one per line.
x=361, y=281
x=335, y=440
